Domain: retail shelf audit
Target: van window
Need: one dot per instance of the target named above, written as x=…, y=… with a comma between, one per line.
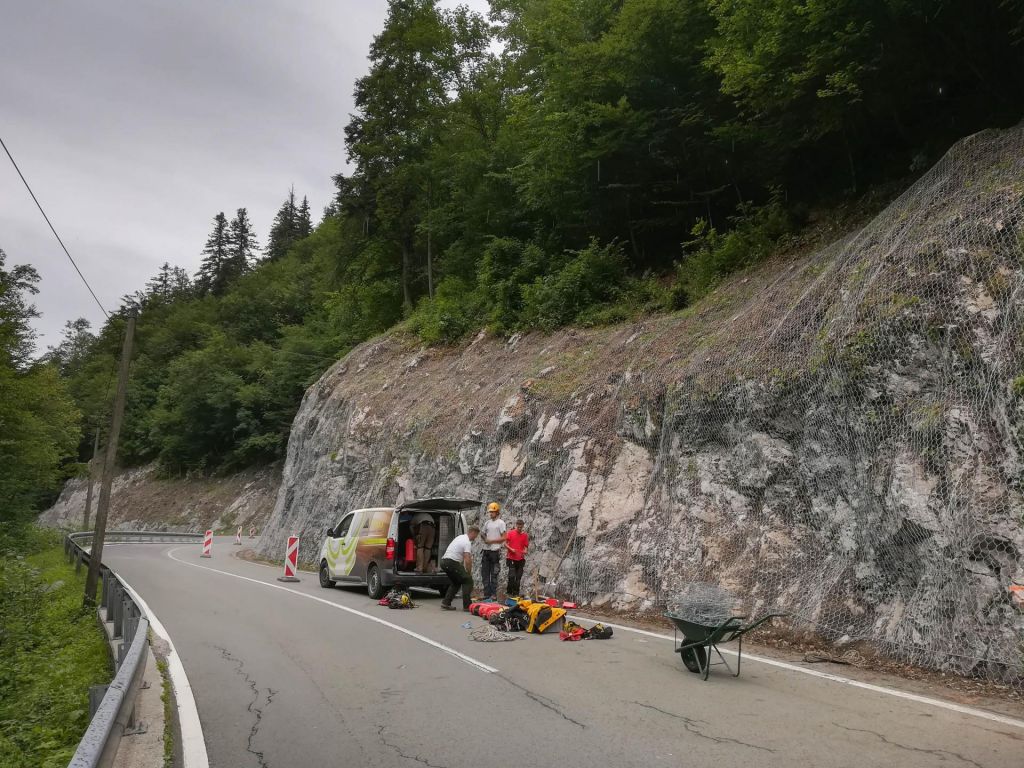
x=343, y=526
x=376, y=525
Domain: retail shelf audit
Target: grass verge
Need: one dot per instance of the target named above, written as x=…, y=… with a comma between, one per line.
x=51, y=651
x=165, y=697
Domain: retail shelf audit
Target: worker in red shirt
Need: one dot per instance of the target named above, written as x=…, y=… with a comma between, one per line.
x=516, y=544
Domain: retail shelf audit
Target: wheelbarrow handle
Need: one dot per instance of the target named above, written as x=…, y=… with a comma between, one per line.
x=762, y=620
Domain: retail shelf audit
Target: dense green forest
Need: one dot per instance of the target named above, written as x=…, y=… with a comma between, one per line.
x=556, y=162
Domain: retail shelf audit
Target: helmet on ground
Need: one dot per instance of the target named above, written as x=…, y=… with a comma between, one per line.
x=494, y=507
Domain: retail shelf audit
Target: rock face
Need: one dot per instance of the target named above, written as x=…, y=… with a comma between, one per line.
x=838, y=435
x=141, y=500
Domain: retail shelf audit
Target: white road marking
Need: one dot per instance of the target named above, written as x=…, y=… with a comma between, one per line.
x=959, y=708
x=415, y=635
x=193, y=748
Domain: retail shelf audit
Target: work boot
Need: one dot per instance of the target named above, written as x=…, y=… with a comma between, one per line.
x=447, y=607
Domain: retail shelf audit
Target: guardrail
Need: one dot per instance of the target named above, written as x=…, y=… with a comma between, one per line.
x=115, y=711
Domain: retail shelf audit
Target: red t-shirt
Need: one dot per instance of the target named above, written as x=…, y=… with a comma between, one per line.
x=519, y=541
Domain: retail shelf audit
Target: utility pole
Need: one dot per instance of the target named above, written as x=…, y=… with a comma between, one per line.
x=108, y=465
x=92, y=476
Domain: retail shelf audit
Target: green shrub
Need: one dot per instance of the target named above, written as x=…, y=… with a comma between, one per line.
x=593, y=276
x=506, y=266
x=711, y=255
x=455, y=311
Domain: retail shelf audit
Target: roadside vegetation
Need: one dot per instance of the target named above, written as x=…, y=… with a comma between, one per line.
x=51, y=651
x=555, y=162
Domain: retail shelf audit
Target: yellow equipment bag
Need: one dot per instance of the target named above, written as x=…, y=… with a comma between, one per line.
x=543, y=617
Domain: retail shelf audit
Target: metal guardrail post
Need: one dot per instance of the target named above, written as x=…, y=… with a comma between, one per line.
x=105, y=589
x=96, y=694
x=118, y=609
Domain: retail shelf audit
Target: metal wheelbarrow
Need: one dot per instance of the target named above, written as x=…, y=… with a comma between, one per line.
x=699, y=639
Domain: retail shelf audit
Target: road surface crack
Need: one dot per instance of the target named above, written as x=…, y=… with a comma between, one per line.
x=257, y=711
x=694, y=726
x=400, y=752
x=908, y=748
x=543, y=701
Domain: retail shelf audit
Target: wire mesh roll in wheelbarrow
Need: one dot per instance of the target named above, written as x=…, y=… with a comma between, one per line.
x=703, y=603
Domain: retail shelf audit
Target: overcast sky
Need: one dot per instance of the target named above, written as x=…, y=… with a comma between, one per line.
x=135, y=121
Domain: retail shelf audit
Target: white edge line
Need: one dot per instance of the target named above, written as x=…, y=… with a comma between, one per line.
x=415, y=635
x=193, y=747
x=959, y=708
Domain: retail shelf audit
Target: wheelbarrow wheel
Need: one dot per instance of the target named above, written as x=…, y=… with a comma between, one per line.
x=694, y=659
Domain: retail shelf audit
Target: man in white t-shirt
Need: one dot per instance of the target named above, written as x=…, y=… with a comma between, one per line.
x=494, y=531
x=457, y=563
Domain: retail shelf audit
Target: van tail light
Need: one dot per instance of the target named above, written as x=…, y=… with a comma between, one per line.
x=389, y=550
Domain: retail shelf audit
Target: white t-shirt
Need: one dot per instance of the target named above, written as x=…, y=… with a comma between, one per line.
x=460, y=546
x=493, y=529
x=422, y=517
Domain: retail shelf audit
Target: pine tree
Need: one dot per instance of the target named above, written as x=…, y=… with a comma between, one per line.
x=159, y=286
x=211, y=277
x=284, y=230
x=181, y=283
x=305, y=223
x=242, y=246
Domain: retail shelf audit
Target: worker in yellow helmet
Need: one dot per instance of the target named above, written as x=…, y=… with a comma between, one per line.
x=494, y=535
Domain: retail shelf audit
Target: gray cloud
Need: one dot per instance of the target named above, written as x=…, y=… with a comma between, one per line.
x=136, y=121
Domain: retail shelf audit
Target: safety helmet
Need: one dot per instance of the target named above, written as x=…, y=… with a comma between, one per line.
x=494, y=507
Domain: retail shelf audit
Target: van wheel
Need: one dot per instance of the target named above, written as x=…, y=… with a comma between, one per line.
x=374, y=587
x=325, y=576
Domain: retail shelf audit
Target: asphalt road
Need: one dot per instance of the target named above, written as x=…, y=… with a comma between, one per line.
x=283, y=680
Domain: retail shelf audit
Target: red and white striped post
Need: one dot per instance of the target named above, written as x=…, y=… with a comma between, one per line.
x=238, y=537
x=252, y=531
x=207, y=544
x=291, y=560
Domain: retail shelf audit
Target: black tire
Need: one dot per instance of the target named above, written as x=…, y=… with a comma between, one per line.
x=694, y=659
x=325, y=576
x=442, y=588
x=374, y=584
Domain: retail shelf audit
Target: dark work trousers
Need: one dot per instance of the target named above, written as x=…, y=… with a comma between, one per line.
x=515, y=576
x=490, y=565
x=459, y=577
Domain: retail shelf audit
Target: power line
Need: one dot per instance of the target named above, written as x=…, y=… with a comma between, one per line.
x=40, y=207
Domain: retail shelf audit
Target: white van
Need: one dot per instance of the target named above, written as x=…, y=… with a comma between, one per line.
x=369, y=546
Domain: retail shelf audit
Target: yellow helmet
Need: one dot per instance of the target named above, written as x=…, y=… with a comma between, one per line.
x=494, y=507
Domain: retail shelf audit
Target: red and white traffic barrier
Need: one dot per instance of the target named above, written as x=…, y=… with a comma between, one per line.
x=207, y=544
x=291, y=560
x=238, y=537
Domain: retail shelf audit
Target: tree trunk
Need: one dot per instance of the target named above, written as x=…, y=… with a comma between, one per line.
x=406, y=258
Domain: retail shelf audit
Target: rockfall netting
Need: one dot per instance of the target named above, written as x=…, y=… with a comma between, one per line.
x=838, y=436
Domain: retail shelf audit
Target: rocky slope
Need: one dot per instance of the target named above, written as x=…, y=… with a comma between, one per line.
x=142, y=500
x=839, y=435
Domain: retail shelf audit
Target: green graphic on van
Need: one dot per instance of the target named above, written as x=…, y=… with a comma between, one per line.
x=341, y=555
